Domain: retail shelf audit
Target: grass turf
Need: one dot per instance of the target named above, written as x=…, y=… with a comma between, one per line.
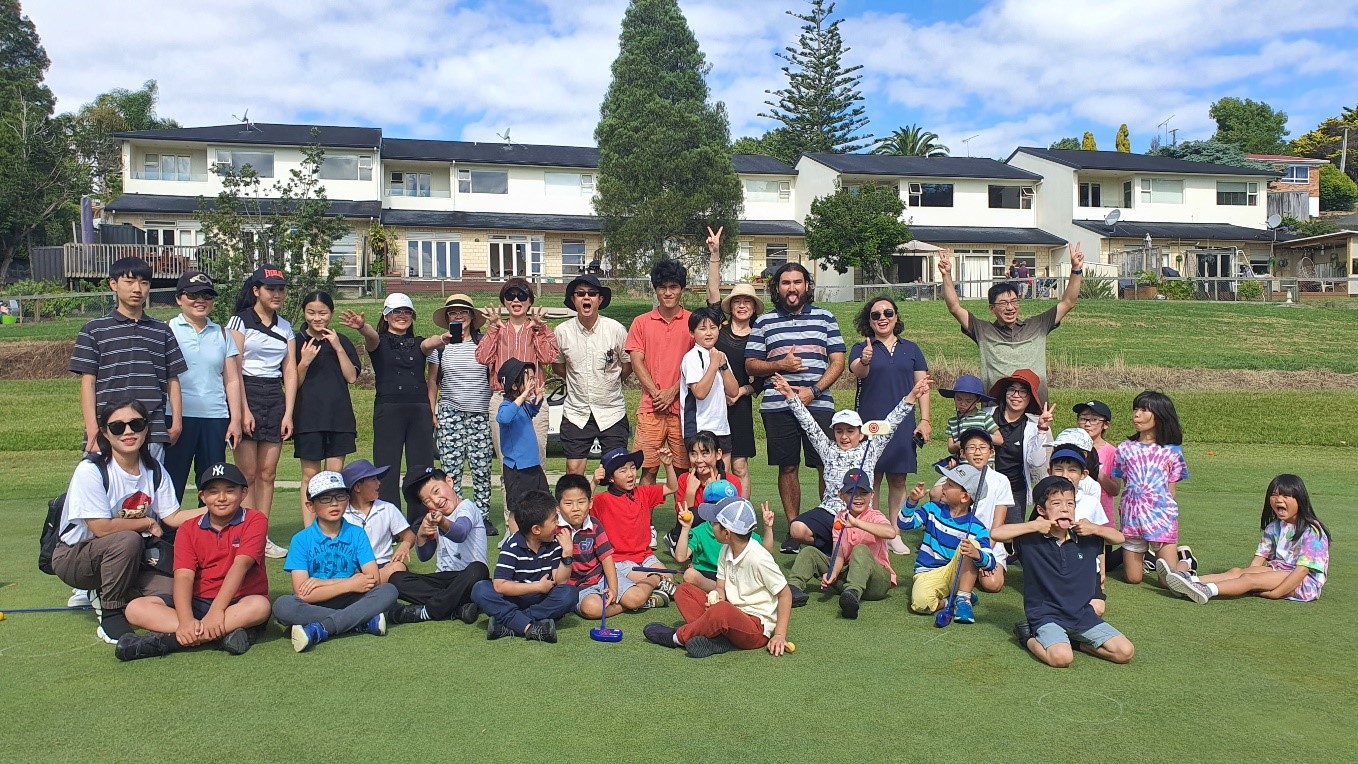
x=1224, y=682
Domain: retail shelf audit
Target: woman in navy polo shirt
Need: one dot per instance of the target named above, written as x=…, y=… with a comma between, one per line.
x=268, y=351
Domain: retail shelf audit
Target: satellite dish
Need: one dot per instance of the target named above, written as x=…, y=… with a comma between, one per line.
x=1273, y=221
x=1112, y=217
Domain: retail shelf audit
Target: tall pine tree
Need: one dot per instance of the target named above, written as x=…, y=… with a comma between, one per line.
x=665, y=171
x=821, y=106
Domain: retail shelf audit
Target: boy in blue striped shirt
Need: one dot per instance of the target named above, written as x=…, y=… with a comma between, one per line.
x=951, y=532
x=529, y=593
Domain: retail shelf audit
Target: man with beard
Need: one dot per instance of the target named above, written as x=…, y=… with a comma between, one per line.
x=1008, y=344
x=801, y=342
x=594, y=363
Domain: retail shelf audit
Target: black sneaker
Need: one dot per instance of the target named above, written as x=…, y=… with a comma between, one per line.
x=496, y=630
x=468, y=613
x=406, y=614
x=236, y=643
x=848, y=604
x=491, y=530
x=1023, y=631
x=1186, y=555
x=799, y=597
x=542, y=631
x=671, y=540
x=703, y=647
x=659, y=634
x=790, y=546
x=133, y=646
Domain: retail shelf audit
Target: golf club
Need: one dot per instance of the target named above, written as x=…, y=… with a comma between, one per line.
x=945, y=615
x=603, y=633
x=79, y=609
x=671, y=571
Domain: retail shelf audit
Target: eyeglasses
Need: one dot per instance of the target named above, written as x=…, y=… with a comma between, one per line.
x=331, y=499
x=518, y=295
x=118, y=428
x=880, y=314
x=403, y=313
x=586, y=293
x=1017, y=391
x=1091, y=420
x=1005, y=304
x=976, y=449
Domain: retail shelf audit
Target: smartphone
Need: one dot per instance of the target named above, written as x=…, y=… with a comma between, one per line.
x=456, y=331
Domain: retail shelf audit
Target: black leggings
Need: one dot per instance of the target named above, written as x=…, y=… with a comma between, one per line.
x=398, y=427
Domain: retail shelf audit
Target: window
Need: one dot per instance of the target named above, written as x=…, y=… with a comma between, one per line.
x=930, y=194
x=999, y=266
x=408, y=184
x=1296, y=173
x=482, y=182
x=344, y=253
x=1011, y=197
x=1091, y=195
x=775, y=255
x=166, y=167
x=515, y=256
x=170, y=234
x=571, y=184
x=1127, y=194
x=572, y=257
x=768, y=191
x=235, y=161
x=436, y=258
x=346, y=167
x=1158, y=191
x=1238, y=194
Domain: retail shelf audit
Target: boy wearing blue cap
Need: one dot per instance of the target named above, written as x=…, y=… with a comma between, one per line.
x=380, y=520
x=860, y=569
x=967, y=395
x=698, y=543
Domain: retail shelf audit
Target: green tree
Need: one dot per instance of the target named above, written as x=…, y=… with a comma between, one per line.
x=911, y=141
x=119, y=110
x=1068, y=144
x=821, y=107
x=1087, y=143
x=40, y=178
x=1124, y=139
x=1327, y=140
x=1317, y=227
x=776, y=143
x=665, y=171
x=1252, y=125
x=1209, y=151
x=859, y=228
x=288, y=227
x=1338, y=192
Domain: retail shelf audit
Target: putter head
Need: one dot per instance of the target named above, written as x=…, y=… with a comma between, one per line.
x=943, y=618
x=877, y=428
x=606, y=635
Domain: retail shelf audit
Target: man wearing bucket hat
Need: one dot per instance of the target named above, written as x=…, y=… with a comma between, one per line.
x=967, y=396
x=523, y=335
x=739, y=308
x=594, y=362
x=463, y=433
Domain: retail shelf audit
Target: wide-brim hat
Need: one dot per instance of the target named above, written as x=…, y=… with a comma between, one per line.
x=361, y=469
x=1027, y=377
x=458, y=300
x=742, y=290
x=617, y=457
x=969, y=384
x=605, y=294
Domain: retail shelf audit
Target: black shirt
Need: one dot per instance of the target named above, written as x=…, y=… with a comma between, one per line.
x=1009, y=457
x=398, y=366
x=323, y=403
x=733, y=345
x=1059, y=580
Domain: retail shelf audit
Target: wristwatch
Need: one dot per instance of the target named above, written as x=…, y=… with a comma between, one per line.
x=724, y=367
x=567, y=559
x=816, y=391
x=1077, y=271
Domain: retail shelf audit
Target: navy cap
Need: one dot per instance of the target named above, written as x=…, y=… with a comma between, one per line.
x=221, y=471
x=195, y=282
x=1098, y=408
x=856, y=480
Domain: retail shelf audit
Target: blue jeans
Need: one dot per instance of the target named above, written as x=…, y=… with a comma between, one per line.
x=202, y=443
x=518, y=612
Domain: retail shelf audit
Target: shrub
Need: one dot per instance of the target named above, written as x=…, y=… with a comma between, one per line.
x=55, y=307
x=1338, y=192
x=1094, y=288
x=1250, y=290
x=1176, y=289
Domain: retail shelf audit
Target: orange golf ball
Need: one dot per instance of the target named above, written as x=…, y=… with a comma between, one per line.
x=686, y=516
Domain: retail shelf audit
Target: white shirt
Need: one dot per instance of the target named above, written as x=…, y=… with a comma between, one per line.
x=753, y=581
x=453, y=555
x=87, y=500
x=593, y=359
x=382, y=522
x=705, y=413
x=1089, y=502
x=264, y=352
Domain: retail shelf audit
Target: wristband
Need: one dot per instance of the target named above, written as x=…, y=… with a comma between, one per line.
x=816, y=391
x=1077, y=271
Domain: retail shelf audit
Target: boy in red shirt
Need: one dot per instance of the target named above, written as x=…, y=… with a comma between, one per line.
x=625, y=510
x=220, y=588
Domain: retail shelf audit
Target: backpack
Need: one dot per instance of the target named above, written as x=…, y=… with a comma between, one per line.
x=52, y=533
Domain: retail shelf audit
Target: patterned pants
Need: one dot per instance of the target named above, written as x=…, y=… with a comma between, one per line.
x=462, y=437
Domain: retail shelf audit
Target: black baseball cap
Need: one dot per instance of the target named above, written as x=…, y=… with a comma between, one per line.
x=1098, y=408
x=221, y=471
x=269, y=275
x=195, y=282
x=415, y=478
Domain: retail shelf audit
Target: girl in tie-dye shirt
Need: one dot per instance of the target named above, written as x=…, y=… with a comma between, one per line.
x=1291, y=562
x=1148, y=464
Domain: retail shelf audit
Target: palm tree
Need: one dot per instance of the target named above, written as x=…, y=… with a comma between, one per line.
x=911, y=141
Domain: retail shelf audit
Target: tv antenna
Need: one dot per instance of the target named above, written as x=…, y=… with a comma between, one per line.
x=1164, y=126
x=246, y=124
x=967, y=142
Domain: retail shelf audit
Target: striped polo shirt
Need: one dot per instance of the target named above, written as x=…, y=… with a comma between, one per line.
x=943, y=533
x=813, y=335
x=463, y=381
x=589, y=547
x=130, y=358
x=519, y=563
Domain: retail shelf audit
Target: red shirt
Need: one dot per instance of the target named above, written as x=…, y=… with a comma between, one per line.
x=209, y=553
x=663, y=344
x=628, y=520
x=684, y=477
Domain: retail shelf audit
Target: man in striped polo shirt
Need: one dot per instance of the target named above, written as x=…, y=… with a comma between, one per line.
x=801, y=342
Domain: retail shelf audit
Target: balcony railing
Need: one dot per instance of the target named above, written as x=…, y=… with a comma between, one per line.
x=424, y=193
x=92, y=261
x=173, y=177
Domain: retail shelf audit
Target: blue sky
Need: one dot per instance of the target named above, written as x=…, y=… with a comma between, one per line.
x=1011, y=72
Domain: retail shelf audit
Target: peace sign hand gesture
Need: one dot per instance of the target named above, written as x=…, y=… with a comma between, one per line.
x=1044, y=420
x=714, y=240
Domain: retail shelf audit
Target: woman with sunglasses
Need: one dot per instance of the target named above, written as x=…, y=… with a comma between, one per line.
x=525, y=336
x=886, y=367
x=117, y=497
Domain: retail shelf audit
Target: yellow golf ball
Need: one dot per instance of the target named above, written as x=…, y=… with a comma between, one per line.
x=2, y=616
x=791, y=647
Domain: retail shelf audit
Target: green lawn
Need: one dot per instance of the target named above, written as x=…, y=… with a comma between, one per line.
x=1229, y=681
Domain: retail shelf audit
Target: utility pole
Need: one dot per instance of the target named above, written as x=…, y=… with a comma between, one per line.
x=1344, y=151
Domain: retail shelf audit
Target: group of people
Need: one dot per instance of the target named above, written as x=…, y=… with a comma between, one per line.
x=158, y=398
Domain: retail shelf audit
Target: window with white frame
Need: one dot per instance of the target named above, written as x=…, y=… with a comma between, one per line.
x=569, y=184
x=434, y=256
x=1127, y=194
x=344, y=253
x=1237, y=194
x=169, y=233
x=1296, y=173
x=1091, y=195
x=572, y=257
x=166, y=167
x=1011, y=197
x=515, y=256
x=775, y=254
x=236, y=161
x=347, y=167
x=408, y=184
x=768, y=191
x=930, y=195
x=482, y=181
x=1157, y=191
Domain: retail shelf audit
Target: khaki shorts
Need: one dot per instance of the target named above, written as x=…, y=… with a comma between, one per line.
x=654, y=430
x=932, y=587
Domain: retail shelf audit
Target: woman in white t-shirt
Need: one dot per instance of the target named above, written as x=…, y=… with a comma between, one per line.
x=117, y=498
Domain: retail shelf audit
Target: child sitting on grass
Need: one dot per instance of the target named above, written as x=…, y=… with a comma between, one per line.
x=861, y=569
x=221, y=591
x=625, y=509
x=951, y=531
x=1291, y=561
x=334, y=573
x=751, y=604
x=698, y=541
x=1059, y=580
x=380, y=520
x=586, y=544
x=968, y=393
x=996, y=497
x=531, y=589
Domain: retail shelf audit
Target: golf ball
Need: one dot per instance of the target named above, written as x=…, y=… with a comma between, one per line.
x=686, y=516
x=791, y=647
x=2, y=616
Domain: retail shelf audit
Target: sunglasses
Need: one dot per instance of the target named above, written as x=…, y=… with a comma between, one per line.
x=586, y=293
x=880, y=314
x=518, y=295
x=118, y=428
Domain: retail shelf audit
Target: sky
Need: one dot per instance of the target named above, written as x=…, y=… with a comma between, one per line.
x=1008, y=72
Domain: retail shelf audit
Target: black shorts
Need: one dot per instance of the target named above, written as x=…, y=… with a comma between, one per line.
x=741, y=418
x=576, y=441
x=709, y=575
x=787, y=440
x=822, y=525
x=200, y=605
x=518, y=482
x=319, y=446
x=264, y=397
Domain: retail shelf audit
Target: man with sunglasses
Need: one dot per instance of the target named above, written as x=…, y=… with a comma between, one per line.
x=524, y=336
x=1008, y=344
x=594, y=362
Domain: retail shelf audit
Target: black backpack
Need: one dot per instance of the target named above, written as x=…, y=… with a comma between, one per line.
x=51, y=533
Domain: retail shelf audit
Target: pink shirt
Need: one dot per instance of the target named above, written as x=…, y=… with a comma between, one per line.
x=855, y=536
x=1106, y=453
x=663, y=344
x=502, y=342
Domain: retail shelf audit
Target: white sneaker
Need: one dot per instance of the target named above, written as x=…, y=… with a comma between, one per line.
x=653, y=538
x=897, y=546
x=99, y=632
x=274, y=551
x=79, y=598
x=97, y=604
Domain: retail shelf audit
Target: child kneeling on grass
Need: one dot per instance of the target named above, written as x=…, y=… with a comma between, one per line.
x=1072, y=453
x=221, y=591
x=1291, y=562
x=1060, y=579
x=951, y=531
x=751, y=605
x=861, y=569
x=698, y=543
x=530, y=591
x=334, y=573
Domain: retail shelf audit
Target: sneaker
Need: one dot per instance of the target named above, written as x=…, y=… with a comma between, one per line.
x=1023, y=631
x=133, y=647
x=799, y=597
x=542, y=631
x=667, y=586
x=96, y=604
x=848, y=604
x=657, y=599
x=1148, y=565
x=897, y=546
x=307, y=636
x=790, y=546
x=79, y=598
x=104, y=637
x=468, y=613
x=1186, y=555
x=670, y=540
x=112, y=626
x=1182, y=585
x=376, y=626
x=407, y=614
x=653, y=537
x=496, y=630
x=274, y=551
x=961, y=610
x=491, y=530
x=703, y=647
x=236, y=643
x=659, y=634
